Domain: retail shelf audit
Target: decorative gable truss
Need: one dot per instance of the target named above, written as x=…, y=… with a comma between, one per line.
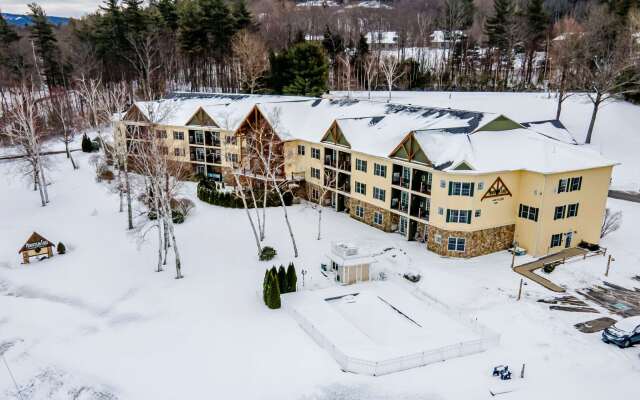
x=497, y=189
x=135, y=115
x=409, y=150
x=201, y=118
x=335, y=136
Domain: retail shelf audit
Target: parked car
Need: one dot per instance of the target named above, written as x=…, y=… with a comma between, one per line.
x=412, y=276
x=623, y=333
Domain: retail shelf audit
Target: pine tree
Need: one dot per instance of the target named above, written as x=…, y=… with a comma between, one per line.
x=292, y=278
x=498, y=25
x=273, y=293
x=46, y=46
x=168, y=10
x=308, y=68
x=537, y=20
x=282, y=280
x=87, y=146
x=10, y=58
x=61, y=248
x=242, y=15
x=110, y=39
x=134, y=17
x=220, y=26
x=265, y=286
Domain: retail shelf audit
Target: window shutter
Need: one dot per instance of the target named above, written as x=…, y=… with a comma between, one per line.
x=448, y=215
x=577, y=206
x=450, y=188
x=471, y=189
x=520, y=211
x=469, y=215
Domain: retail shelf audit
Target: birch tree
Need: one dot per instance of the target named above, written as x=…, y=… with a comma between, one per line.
x=252, y=57
x=23, y=126
x=390, y=68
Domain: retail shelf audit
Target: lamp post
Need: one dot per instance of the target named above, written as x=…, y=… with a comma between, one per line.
x=303, y=272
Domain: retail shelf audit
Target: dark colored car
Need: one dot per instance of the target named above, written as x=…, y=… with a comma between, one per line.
x=623, y=333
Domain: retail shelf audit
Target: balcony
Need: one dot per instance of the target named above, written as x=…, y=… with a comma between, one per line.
x=399, y=200
x=421, y=181
x=196, y=137
x=420, y=207
x=344, y=182
x=212, y=139
x=196, y=154
x=401, y=176
x=344, y=161
x=213, y=156
x=330, y=158
x=329, y=178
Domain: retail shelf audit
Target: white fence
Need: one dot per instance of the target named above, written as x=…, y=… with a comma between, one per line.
x=387, y=366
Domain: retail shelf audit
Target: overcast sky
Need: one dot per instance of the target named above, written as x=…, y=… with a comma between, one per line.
x=58, y=8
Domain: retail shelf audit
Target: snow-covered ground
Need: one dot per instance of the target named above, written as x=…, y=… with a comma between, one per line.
x=98, y=323
x=616, y=133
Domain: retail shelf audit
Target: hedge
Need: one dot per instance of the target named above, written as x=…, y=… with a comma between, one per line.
x=208, y=193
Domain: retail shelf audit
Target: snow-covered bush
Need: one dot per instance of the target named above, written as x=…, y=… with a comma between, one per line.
x=104, y=173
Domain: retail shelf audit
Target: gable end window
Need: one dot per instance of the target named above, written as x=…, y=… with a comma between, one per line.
x=556, y=240
x=378, y=193
x=361, y=165
x=361, y=188
x=572, y=210
x=178, y=135
x=315, y=153
x=315, y=173
x=559, y=213
x=575, y=184
x=300, y=150
x=459, y=216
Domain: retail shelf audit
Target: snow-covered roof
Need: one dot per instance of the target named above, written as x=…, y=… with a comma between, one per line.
x=370, y=127
x=510, y=150
x=445, y=36
x=552, y=128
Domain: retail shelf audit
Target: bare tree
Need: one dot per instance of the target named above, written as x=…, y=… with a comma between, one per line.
x=611, y=223
x=22, y=124
x=145, y=59
x=568, y=34
x=609, y=64
x=67, y=119
x=390, y=67
x=345, y=61
x=322, y=191
x=252, y=57
x=371, y=63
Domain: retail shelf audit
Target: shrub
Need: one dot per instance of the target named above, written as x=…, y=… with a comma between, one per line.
x=86, y=145
x=549, y=268
x=292, y=278
x=267, y=253
x=177, y=217
x=208, y=193
x=103, y=173
x=95, y=145
x=272, y=294
x=61, y=248
x=282, y=279
x=183, y=206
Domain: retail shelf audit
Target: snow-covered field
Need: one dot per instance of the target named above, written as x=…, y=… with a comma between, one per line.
x=616, y=132
x=99, y=322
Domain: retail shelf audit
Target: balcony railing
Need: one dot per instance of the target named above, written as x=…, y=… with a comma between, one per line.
x=398, y=180
x=398, y=205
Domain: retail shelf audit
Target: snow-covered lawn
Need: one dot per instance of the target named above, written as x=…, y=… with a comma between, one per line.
x=98, y=322
x=616, y=133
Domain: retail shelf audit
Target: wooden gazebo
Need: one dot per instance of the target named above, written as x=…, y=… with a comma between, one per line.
x=36, y=246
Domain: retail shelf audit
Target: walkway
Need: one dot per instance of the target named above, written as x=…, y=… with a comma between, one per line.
x=624, y=195
x=527, y=269
x=42, y=153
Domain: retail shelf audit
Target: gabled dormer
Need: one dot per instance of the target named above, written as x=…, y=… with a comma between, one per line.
x=135, y=115
x=335, y=136
x=500, y=123
x=409, y=150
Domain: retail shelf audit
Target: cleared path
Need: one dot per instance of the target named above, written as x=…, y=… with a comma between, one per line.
x=527, y=269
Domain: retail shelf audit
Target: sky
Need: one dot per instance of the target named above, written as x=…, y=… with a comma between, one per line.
x=58, y=8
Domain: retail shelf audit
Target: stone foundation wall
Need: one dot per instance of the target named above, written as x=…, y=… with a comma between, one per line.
x=477, y=243
x=368, y=214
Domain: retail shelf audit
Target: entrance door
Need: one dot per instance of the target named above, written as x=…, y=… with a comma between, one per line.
x=340, y=202
x=402, y=228
x=567, y=239
x=413, y=228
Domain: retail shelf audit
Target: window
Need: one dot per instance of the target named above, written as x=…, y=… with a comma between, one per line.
x=380, y=170
x=562, y=185
x=378, y=193
x=161, y=134
x=315, y=173
x=315, y=153
x=440, y=211
x=461, y=189
x=231, y=157
x=528, y=212
x=459, y=216
x=556, y=240
x=361, y=165
x=377, y=218
x=443, y=184
x=437, y=238
x=300, y=150
x=480, y=185
x=178, y=152
x=315, y=194
x=361, y=188
x=575, y=184
x=359, y=211
x=178, y=135
x=164, y=150
x=456, y=244
x=559, y=212
x=477, y=212
x=572, y=210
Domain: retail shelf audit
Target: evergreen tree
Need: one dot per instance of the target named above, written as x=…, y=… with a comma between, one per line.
x=265, y=286
x=273, y=293
x=87, y=146
x=292, y=278
x=537, y=21
x=220, y=27
x=10, y=58
x=497, y=26
x=308, y=69
x=61, y=248
x=282, y=280
x=134, y=17
x=46, y=46
x=332, y=43
x=110, y=39
x=168, y=10
x=242, y=15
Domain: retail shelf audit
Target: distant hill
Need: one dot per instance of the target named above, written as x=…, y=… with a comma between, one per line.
x=24, y=20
